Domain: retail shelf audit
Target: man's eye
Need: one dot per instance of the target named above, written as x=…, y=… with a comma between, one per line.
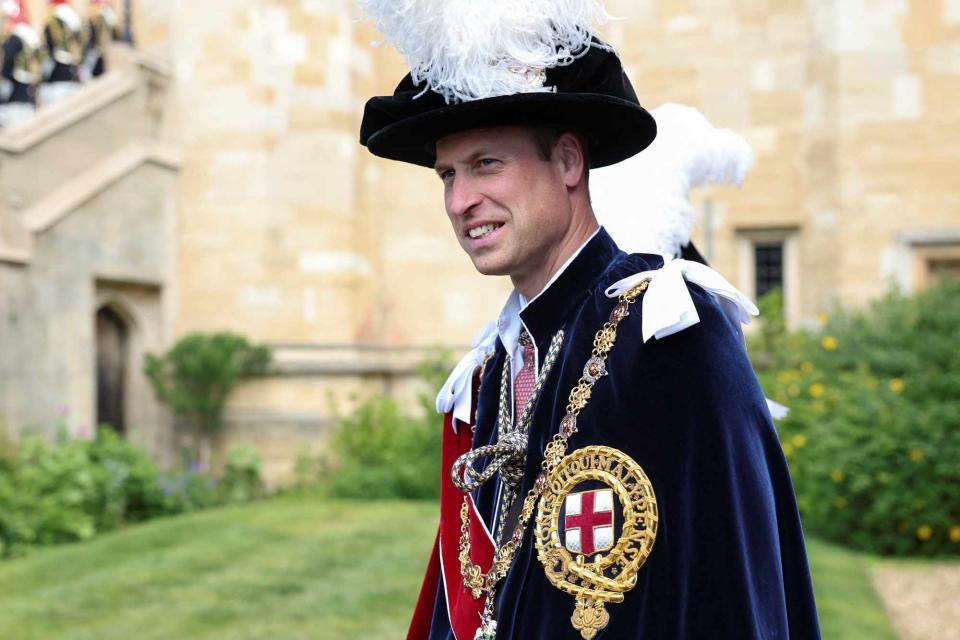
x=486, y=162
x=446, y=175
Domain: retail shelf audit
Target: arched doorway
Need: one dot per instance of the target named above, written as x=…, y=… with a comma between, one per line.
x=112, y=347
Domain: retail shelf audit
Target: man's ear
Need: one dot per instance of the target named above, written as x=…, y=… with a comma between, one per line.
x=570, y=152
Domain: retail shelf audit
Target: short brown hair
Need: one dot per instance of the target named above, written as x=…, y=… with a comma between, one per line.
x=546, y=138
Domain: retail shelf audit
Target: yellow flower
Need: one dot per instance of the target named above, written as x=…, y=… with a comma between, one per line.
x=924, y=532
x=955, y=533
x=916, y=455
x=816, y=390
x=799, y=441
x=806, y=367
x=787, y=449
x=896, y=385
x=837, y=475
x=783, y=376
x=823, y=318
x=829, y=343
x=840, y=502
x=793, y=390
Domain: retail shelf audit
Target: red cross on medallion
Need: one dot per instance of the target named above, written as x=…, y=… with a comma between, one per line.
x=586, y=520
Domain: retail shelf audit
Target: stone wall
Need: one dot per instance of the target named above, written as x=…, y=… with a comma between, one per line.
x=88, y=220
x=113, y=250
x=846, y=105
x=849, y=108
x=291, y=233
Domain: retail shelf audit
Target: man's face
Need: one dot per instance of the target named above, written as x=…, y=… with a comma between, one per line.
x=509, y=208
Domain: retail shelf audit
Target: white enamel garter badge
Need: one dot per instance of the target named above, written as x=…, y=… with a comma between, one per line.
x=596, y=524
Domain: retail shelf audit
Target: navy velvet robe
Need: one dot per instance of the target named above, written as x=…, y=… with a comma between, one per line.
x=729, y=558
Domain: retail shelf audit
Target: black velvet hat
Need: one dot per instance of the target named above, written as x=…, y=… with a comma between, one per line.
x=591, y=95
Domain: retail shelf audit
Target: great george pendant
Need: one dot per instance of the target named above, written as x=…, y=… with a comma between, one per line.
x=487, y=630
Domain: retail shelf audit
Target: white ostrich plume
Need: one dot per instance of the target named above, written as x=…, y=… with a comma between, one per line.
x=471, y=49
x=644, y=201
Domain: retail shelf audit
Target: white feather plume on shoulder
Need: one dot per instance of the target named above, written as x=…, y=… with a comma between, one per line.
x=471, y=49
x=643, y=202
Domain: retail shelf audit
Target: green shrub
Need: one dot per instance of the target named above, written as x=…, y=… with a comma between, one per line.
x=383, y=451
x=189, y=490
x=69, y=490
x=51, y=497
x=128, y=481
x=308, y=471
x=197, y=374
x=873, y=436
x=241, y=480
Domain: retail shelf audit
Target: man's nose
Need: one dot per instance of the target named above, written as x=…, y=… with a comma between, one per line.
x=462, y=195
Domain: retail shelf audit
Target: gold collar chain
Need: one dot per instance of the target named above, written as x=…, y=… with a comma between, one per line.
x=594, y=369
x=510, y=451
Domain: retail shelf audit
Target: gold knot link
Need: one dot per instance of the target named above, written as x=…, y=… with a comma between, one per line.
x=634, y=293
x=603, y=342
x=579, y=396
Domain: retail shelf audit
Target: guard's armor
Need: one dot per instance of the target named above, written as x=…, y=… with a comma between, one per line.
x=65, y=50
x=22, y=68
x=102, y=29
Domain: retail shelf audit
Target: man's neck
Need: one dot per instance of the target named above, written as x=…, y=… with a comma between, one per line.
x=530, y=287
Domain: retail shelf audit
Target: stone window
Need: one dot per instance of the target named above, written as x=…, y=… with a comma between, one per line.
x=927, y=256
x=767, y=260
x=767, y=267
x=935, y=262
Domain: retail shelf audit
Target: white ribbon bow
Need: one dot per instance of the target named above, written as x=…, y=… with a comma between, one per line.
x=667, y=309
x=667, y=305
x=457, y=392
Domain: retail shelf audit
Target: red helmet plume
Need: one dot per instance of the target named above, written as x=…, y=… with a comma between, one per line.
x=16, y=11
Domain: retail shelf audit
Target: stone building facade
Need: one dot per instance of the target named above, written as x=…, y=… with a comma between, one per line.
x=87, y=239
x=292, y=234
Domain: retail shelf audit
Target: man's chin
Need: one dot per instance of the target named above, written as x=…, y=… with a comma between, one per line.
x=490, y=267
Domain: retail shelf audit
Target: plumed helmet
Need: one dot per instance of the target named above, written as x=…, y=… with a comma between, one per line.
x=15, y=10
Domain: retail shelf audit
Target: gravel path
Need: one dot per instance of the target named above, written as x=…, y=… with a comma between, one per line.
x=923, y=602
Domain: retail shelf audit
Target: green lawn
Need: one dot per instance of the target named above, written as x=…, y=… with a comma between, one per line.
x=278, y=569
x=847, y=604
x=285, y=569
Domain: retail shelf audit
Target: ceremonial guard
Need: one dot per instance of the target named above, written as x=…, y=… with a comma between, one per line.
x=64, y=38
x=103, y=27
x=22, y=64
x=610, y=467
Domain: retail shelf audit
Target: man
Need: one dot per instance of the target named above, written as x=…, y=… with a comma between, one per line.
x=610, y=469
x=22, y=61
x=102, y=28
x=64, y=38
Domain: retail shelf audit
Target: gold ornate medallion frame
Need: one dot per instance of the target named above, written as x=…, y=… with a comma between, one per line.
x=606, y=577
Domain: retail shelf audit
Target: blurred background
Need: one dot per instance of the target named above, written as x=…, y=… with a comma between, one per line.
x=210, y=294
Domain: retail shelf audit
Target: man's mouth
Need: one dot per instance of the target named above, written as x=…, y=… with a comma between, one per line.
x=478, y=232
